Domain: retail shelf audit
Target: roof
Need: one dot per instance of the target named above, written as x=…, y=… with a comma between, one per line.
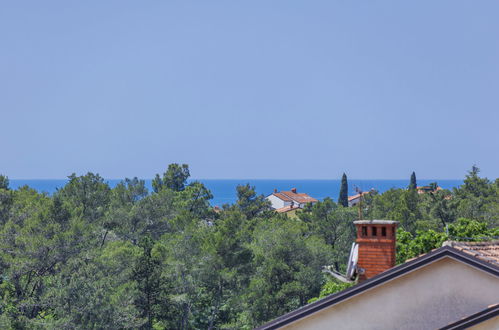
x=481, y=316
x=395, y=272
x=351, y=198
x=290, y=196
x=486, y=251
x=287, y=209
x=423, y=189
x=282, y=196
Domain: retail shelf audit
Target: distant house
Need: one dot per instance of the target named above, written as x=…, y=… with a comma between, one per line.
x=293, y=199
x=355, y=199
x=290, y=211
x=427, y=189
x=452, y=287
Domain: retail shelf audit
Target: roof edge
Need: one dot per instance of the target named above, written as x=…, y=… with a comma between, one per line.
x=479, y=317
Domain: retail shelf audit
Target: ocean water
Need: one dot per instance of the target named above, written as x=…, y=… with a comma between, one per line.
x=224, y=191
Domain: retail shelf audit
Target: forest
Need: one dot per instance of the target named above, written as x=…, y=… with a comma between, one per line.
x=94, y=257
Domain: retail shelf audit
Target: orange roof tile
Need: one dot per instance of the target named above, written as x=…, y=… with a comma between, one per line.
x=287, y=209
x=290, y=196
x=486, y=251
x=283, y=197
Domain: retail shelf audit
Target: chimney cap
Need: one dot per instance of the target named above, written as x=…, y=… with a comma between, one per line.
x=375, y=222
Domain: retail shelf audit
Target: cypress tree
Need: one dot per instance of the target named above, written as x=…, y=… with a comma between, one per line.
x=343, y=198
x=413, y=184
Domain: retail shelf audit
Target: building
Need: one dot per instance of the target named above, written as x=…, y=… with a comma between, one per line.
x=292, y=199
x=452, y=287
x=290, y=211
x=427, y=189
x=355, y=199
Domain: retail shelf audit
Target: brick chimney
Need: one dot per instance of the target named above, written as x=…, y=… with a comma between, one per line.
x=376, y=240
x=293, y=190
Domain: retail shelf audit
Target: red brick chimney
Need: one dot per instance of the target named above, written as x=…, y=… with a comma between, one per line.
x=293, y=190
x=376, y=240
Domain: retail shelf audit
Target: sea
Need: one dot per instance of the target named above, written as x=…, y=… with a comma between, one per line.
x=224, y=190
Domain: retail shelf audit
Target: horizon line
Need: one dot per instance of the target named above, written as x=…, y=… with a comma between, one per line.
x=227, y=179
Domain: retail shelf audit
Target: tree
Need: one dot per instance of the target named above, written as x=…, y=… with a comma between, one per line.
x=28, y=248
x=182, y=263
x=4, y=182
x=5, y=198
x=335, y=225
x=227, y=268
x=175, y=178
x=93, y=291
x=249, y=203
x=411, y=246
x=474, y=185
x=147, y=274
x=330, y=287
x=476, y=196
x=343, y=198
x=195, y=198
x=125, y=199
x=128, y=191
x=406, y=210
x=413, y=184
x=287, y=267
x=93, y=257
x=86, y=196
x=150, y=215
x=440, y=206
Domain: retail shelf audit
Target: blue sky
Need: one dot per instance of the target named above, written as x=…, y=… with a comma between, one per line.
x=249, y=89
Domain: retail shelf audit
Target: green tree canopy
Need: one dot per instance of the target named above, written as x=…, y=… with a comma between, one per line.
x=413, y=184
x=4, y=182
x=89, y=256
x=343, y=197
x=250, y=203
x=175, y=178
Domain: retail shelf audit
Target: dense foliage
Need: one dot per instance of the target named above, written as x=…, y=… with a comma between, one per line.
x=343, y=197
x=93, y=257
x=413, y=183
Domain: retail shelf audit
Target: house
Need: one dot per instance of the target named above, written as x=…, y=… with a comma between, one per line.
x=289, y=210
x=452, y=287
x=427, y=189
x=355, y=199
x=292, y=198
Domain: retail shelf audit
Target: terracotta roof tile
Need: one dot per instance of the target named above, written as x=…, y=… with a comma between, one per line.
x=290, y=196
x=287, y=209
x=283, y=197
x=486, y=251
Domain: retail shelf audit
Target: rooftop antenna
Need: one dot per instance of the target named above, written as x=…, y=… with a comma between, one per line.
x=359, y=191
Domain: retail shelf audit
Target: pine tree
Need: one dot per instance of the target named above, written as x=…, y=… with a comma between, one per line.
x=413, y=184
x=343, y=198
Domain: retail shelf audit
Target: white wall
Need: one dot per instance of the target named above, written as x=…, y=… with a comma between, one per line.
x=277, y=203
